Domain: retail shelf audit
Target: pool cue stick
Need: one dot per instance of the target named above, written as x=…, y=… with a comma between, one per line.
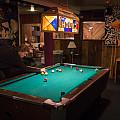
x=115, y=62
x=115, y=65
x=111, y=62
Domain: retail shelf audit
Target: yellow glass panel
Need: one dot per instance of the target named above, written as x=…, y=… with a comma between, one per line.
x=50, y=18
x=45, y=23
x=50, y=28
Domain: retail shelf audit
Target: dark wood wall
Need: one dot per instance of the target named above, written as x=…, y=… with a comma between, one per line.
x=92, y=52
x=30, y=18
x=95, y=52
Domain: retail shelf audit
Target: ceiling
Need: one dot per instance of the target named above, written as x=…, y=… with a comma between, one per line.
x=86, y=4
x=75, y=5
x=25, y=8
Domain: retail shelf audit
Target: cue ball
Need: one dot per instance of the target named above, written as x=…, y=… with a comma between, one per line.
x=52, y=71
x=81, y=70
x=96, y=69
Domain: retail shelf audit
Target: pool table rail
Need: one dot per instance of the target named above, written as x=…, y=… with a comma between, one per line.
x=64, y=100
x=22, y=106
x=101, y=76
x=73, y=95
x=22, y=97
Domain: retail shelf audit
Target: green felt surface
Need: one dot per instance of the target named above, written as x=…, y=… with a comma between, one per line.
x=65, y=81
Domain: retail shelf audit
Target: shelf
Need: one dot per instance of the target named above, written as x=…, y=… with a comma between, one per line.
x=63, y=39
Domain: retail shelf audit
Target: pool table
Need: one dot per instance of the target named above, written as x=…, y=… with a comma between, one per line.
x=64, y=93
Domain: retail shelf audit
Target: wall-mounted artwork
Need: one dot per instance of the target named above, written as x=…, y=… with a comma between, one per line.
x=93, y=30
x=112, y=26
x=9, y=23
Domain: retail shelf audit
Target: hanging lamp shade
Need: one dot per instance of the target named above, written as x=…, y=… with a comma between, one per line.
x=60, y=20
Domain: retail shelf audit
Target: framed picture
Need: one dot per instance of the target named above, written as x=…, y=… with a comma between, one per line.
x=93, y=30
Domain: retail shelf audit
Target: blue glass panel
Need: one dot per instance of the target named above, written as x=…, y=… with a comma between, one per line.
x=54, y=23
x=63, y=19
x=67, y=29
x=74, y=21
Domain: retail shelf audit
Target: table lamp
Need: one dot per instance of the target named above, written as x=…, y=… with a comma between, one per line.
x=71, y=46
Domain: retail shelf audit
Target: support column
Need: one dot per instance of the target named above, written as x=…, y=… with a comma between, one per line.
x=48, y=48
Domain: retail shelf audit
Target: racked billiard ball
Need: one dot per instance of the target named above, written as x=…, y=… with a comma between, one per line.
x=60, y=70
x=45, y=79
x=46, y=73
x=42, y=73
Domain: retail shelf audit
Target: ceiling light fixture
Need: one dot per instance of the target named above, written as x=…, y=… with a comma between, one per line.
x=32, y=8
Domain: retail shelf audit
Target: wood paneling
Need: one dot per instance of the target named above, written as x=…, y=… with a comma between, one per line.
x=91, y=52
x=30, y=18
x=95, y=52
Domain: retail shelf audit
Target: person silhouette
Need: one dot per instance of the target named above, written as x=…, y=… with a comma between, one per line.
x=11, y=63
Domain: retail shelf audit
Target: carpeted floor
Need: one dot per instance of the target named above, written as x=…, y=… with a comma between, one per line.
x=108, y=107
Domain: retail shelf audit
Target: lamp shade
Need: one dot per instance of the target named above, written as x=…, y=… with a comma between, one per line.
x=71, y=44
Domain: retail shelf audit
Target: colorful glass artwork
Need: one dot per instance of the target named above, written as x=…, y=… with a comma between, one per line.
x=49, y=23
x=67, y=24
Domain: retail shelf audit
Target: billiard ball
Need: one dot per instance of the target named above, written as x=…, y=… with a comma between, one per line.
x=81, y=70
x=77, y=68
x=45, y=79
x=46, y=73
x=52, y=71
x=43, y=70
x=60, y=70
x=42, y=73
x=71, y=66
x=96, y=69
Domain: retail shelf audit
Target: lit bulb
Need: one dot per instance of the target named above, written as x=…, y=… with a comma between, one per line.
x=32, y=8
